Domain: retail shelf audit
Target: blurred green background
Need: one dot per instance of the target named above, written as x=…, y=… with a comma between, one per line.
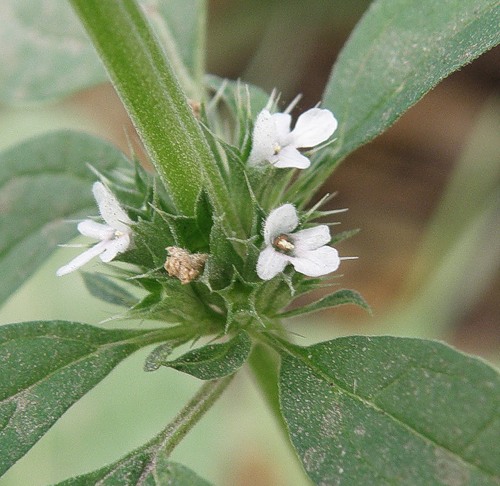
x=425, y=194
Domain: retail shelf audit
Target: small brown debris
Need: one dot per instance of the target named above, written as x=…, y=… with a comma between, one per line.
x=184, y=265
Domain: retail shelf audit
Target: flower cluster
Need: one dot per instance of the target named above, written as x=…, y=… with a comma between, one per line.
x=273, y=141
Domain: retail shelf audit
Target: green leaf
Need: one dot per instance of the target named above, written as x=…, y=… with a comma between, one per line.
x=236, y=181
x=223, y=258
x=389, y=410
x=399, y=51
x=214, y=360
x=47, y=53
x=203, y=222
x=341, y=297
x=48, y=366
x=343, y=235
x=45, y=182
x=158, y=356
x=264, y=365
x=102, y=287
x=176, y=474
x=140, y=467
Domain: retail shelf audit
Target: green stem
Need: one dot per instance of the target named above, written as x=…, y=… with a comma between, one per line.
x=264, y=366
x=278, y=343
x=191, y=414
x=155, y=102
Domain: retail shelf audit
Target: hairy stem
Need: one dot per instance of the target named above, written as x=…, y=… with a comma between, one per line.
x=264, y=366
x=165, y=442
x=157, y=106
x=191, y=414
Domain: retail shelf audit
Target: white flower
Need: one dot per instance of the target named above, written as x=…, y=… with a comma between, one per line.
x=304, y=249
x=273, y=140
x=115, y=236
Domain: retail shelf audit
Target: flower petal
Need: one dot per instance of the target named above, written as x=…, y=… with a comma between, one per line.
x=110, y=208
x=264, y=138
x=282, y=123
x=316, y=262
x=82, y=259
x=270, y=263
x=95, y=230
x=311, y=238
x=115, y=246
x=289, y=156
x=281, y=220
x=313, y=127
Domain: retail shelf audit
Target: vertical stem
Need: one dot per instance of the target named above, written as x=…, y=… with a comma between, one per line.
x=264, y=366
x=156, y=104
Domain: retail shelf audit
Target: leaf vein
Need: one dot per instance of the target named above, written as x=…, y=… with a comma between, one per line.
x=331, y=379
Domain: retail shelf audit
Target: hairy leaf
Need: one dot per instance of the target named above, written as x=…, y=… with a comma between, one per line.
x=214, y=360
x=104, y=288
x=399, y=51
x=158, y=356
x=48, y=366
x=388, y=410
x=341, y=297
x=45, y=183
x=46, y=53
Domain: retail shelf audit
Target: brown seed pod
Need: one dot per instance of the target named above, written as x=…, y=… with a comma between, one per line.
x=184, y=265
